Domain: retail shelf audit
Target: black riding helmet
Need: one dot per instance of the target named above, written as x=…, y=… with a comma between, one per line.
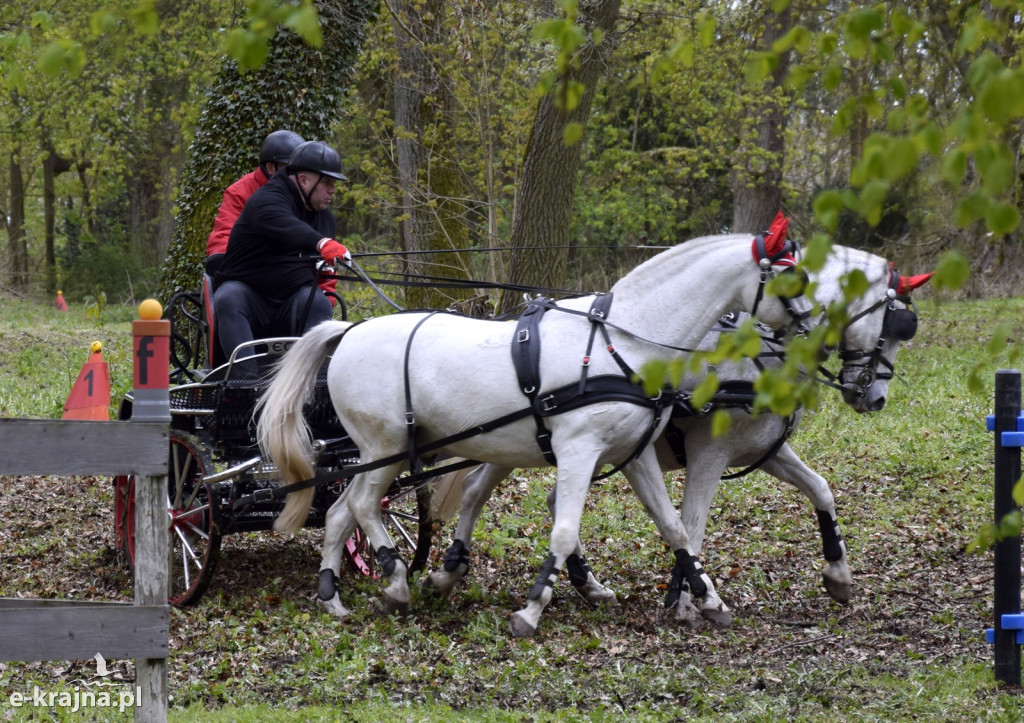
x=316, y=156
x=278, y=147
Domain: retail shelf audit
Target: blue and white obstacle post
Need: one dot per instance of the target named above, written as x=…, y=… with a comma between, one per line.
x=1008, y=425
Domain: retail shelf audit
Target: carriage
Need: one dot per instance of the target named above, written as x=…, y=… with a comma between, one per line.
x=218, y=483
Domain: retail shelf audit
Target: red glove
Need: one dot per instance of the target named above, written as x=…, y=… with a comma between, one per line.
x=333, y=252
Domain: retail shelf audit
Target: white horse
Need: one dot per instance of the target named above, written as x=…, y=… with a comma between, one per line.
x=413, y=381
x=880, y=319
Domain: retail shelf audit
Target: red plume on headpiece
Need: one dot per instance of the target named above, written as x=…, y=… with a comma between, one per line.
x=774, y=243
x=775, y=239
x=906, y=284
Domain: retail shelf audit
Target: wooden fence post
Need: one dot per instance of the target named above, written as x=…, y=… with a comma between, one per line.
x=151, y=403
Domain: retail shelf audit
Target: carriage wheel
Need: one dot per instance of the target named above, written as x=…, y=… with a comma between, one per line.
x=194, y=520
x=410, y=524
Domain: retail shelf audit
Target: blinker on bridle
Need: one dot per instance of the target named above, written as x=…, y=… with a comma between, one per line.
x=898, y=324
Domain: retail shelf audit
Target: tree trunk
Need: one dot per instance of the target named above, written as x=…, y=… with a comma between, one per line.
x=53, y=166
x=543, y=216
x=757, y=190
x=17, y=248
x=430, y=182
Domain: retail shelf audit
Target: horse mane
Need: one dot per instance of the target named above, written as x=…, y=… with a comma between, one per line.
x=695, y=247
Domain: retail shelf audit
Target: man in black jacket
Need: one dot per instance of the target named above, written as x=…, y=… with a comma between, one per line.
x=267, y=283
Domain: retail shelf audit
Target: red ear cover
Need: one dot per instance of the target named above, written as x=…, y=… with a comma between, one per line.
x=775, y=239
x=907, y=284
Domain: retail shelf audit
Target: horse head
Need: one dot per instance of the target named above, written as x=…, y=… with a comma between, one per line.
x=872, y=337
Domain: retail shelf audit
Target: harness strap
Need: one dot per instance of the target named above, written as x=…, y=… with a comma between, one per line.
x=410, y=418
x=526, y=360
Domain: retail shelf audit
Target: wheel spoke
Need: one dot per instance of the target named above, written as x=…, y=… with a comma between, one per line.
x=187, y=548
x=195, y=530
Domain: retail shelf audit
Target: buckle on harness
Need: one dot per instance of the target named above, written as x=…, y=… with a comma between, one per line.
x=410, y=419
x=546, y=403
x=523, y=336
x=264, y=494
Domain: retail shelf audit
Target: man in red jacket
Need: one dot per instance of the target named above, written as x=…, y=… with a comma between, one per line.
x=277, y=148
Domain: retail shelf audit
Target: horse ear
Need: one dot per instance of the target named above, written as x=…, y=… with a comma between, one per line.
x=909, y=283
x=775, y=239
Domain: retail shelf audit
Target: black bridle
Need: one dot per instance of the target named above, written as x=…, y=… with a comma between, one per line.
x=863, y=367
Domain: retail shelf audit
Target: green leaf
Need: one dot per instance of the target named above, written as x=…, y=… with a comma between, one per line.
x=1018, y=492
x=997, y=344
x=832, y=77
x=816, y=251
x=41, y=19
x=1009, y=526
x=14, y=80
x=758, y=68
x=970, y=208
x=1002, y=97
x=721, y=423
x=996, y=166
x=827, y=207
x=952, y=271
x=855, y=284
x=707, y=28
x=572, y=133
x=1002, y=218
x=704, y=391
x=954, y=166
x=306, y=24
x=654, y=374
x=871, y=200
x=51, y=60
x=864, y=22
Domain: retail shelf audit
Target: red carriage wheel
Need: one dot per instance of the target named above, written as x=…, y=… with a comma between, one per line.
x=409, y=522
x=193, y=519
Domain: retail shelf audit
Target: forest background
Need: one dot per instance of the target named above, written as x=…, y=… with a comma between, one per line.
x=564, y=132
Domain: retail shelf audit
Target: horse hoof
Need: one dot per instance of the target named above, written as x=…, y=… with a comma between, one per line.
x=333, y=606
x=394, y=607
x=520, y=628
x=841, y=592
x=598, y=595
x=688, y=615
x=718, y=618
x=432, y=587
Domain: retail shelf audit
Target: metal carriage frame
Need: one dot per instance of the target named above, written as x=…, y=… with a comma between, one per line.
x=218, y=482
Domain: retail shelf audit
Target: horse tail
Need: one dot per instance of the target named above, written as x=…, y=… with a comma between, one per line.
x=448, y=493
x=282, y=429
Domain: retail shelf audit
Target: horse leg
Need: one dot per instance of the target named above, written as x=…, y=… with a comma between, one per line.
x=479, y=487
x=705, y=463
x=688, y=577
x=365, y=493
x=836, y=576
x=571, y=487
x=339, y=526
x=580, y=575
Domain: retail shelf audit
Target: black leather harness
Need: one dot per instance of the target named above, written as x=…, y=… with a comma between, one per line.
x=526, y=351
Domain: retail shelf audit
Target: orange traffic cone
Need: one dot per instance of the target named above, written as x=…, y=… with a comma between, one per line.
x=90, y=395
x=60, y=303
